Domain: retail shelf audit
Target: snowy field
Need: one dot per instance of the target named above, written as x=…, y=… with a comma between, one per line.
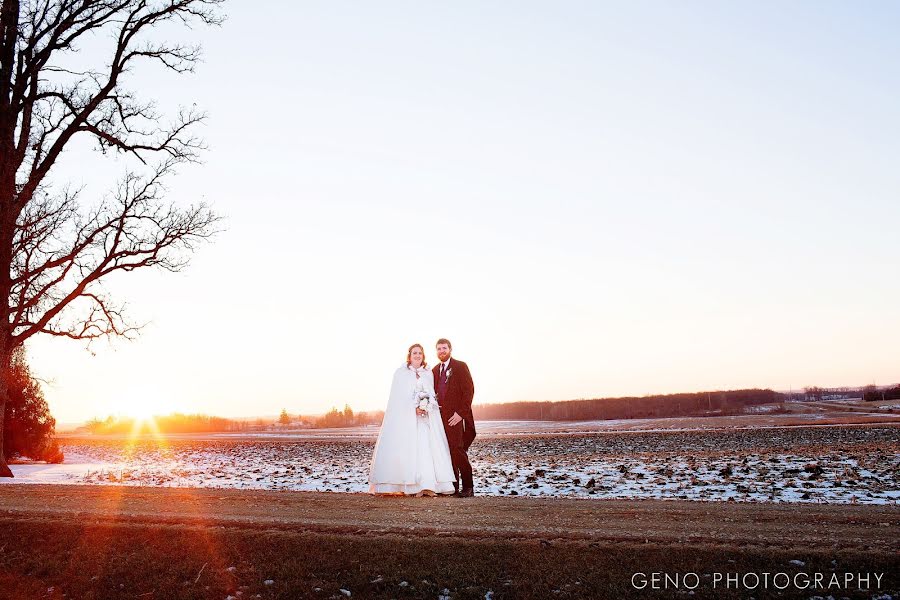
x=799, y=464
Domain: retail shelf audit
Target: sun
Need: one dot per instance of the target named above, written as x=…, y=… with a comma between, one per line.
x=144, y=405
x=142, y=412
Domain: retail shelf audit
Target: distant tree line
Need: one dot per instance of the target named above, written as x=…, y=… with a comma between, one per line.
x=174, y=423
x=727, y=402
x=630, y=407
x=333, y=418
x=873, y=394
x=347, y=418
x=200, y=423
x=869, y=393
x=817, y=393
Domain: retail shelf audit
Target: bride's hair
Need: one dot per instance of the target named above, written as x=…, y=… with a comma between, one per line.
x=409, y=355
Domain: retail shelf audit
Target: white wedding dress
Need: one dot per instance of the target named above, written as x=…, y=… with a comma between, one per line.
x=411, y=454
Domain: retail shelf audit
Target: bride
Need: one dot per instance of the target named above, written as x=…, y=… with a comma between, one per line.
x=412, y=455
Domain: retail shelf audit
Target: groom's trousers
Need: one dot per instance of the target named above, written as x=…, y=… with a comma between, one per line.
x=456, y=439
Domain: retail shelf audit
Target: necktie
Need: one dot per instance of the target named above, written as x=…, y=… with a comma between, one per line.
x=442, y=371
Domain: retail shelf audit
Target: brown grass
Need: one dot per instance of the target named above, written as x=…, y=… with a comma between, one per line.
x=108, y=542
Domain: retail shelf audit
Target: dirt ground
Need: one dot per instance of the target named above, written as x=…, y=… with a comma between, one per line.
x=129, y=542
x=873, y=528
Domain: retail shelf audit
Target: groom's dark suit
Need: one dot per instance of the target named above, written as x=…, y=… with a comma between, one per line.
x=454, y=395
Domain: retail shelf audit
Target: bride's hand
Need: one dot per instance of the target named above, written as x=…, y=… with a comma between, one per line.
x=420, y=412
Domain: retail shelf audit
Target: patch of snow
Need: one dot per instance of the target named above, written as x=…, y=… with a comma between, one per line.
x=770, y=465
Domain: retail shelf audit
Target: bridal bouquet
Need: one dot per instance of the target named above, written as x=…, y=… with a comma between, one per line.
x=424, y=400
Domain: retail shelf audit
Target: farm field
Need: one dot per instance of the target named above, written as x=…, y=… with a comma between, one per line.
x=831, y=464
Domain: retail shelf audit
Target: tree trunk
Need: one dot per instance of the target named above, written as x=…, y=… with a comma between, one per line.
x=6, y=349
x=8, y=213
x=5, y=358
x=8, y=217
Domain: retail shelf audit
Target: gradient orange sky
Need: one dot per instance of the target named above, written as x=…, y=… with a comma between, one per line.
x=588, y=200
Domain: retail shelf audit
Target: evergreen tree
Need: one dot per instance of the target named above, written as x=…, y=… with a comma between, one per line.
x=28, y=426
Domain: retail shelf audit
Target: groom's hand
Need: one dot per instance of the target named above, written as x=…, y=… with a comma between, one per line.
x=454, y=420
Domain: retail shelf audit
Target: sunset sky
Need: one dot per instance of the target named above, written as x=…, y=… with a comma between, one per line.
x=589, y=199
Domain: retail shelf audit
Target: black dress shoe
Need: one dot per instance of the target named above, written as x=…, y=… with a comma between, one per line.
x=466, y=493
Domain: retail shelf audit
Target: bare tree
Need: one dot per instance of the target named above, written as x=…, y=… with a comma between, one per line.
x=55, y=248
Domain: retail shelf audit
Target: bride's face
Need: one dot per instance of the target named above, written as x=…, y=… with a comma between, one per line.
x=416, y=357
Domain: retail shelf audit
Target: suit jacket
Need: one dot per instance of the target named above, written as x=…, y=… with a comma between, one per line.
x=459, y=394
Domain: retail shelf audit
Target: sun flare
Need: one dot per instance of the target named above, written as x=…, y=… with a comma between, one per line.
x=142, y=413
x=144, y=405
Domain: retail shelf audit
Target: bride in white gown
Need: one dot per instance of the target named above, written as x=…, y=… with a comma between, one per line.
x=412, y=455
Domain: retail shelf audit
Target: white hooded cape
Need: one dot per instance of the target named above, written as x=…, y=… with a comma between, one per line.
x=411, y=454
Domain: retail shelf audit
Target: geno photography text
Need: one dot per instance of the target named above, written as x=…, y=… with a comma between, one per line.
x=752, y=580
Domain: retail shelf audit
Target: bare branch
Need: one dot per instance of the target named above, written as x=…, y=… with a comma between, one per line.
x=54, y=103
x=135, y=230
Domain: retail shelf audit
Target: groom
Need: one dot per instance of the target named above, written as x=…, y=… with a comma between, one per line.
x=454, y=387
